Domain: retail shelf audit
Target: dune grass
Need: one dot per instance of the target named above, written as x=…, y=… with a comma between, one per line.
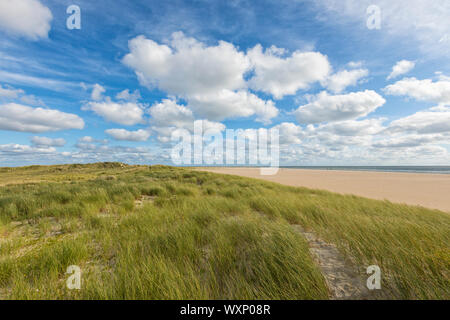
x=155, y=232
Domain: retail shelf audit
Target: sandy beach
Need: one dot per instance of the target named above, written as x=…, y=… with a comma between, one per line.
x=427, y=190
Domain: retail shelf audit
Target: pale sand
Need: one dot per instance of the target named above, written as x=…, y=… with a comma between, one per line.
x=427, y=190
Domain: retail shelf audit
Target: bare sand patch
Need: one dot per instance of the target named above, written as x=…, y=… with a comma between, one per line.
x=423, y=189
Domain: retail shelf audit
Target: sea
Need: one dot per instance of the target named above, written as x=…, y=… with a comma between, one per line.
x=414, y=169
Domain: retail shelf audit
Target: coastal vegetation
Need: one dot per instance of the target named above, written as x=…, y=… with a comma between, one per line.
x=158, y=232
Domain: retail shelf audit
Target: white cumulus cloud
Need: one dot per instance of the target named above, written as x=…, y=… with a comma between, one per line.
x=168, y=116
x=127, y=113
x=14, y=149
x=433, y=120
x=16, y=117
x=280, y=76
x=327, y=107
x=97, y=92
x=290, y=133
x=28, y=18
x=408, y=141
x=355, y=127
x=423, y=90
x=342, y=79
x=125, y=135
x=230, y=104
x=212, y=78
x=187, y=66
x=47, y=142
x=401, y=67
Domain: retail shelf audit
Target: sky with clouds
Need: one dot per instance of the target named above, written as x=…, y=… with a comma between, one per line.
x=339, y=91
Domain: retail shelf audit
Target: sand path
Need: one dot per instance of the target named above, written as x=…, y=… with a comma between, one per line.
x=341, y=276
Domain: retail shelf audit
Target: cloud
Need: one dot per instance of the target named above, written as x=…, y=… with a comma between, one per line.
x=40, y=82
x=290, y=133
x=334, y=142
x=339, y=107
x=401, y=67
x=209, y=125
x=90, y=143
x=168, y=116
x=187, y=66
x=442, y=76
x=423, y=90
x=229, y=104
x=31, y=100
x=408, y=141
x=419, y=155
x=363, y=142
x=355, y=127
x=335, y=137
x=86, y=139
x=212, y=78
x=89, y=149
x=93, y=153
x=425, y=22
x=27, y=18
x=342, y=79
x=433, y=120
x=280, y=76
x=19, y=149
x=16, y=117
x=127, y=96
x=89, y=139
x=9, y=92
x=97, y=92
x=47, y=142
x=127, y=113
x=323, y=143
x=355, y=64
x=125, y=135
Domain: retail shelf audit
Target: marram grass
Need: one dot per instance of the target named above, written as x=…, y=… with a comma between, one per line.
x=156, y=232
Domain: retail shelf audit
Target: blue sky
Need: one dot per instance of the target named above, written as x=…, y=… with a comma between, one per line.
x=312, y=69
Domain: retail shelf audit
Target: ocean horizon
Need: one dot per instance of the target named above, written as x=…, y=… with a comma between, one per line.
x=410, y=169
x=406, y=169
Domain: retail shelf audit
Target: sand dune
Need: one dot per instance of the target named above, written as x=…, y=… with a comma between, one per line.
x=427, y=190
